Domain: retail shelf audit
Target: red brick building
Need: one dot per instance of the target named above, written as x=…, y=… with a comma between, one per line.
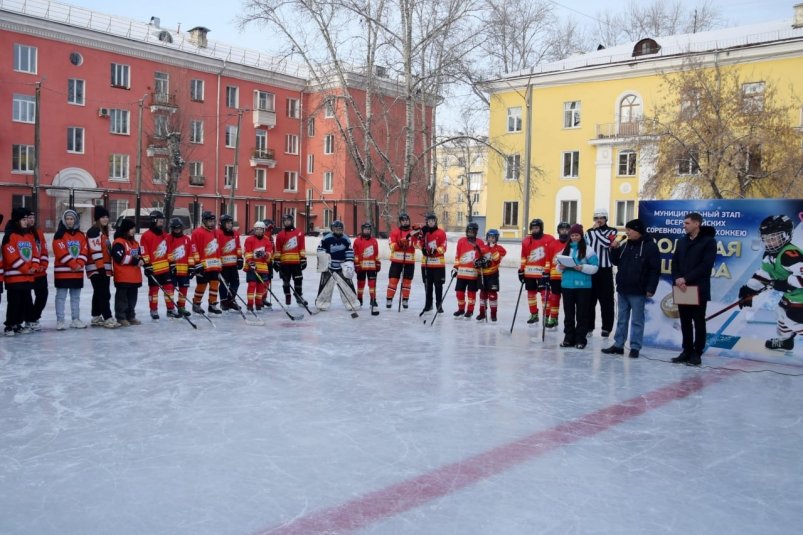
x=107, y=93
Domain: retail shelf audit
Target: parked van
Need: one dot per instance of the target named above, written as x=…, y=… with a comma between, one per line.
x=145, y=218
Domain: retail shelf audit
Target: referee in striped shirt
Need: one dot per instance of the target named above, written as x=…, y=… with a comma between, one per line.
x=599, y=238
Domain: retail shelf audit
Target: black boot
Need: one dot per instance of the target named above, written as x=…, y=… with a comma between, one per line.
x=683, y=357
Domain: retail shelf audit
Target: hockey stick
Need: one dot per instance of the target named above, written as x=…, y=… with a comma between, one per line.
x=286, y=311
x=742, y=301
x=301, y=300
x=438, y=309
x=547, y=291
x=336, y=274
x=170, y=298
x=516, y=310
x=482, y=282
x=257, y=322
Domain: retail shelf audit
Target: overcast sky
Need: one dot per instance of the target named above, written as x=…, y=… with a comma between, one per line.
x=219, y=16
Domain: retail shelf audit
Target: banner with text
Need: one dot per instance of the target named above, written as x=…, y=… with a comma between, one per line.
x=737, y=332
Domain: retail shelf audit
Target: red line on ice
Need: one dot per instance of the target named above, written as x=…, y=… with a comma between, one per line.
x=405, y=495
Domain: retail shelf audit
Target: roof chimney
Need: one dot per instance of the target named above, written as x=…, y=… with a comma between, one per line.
x=198, y=36
x=155, y=22
x=798, y=20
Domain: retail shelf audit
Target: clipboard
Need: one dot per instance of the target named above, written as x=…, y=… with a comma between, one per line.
x=565, y=260
x=690, y=296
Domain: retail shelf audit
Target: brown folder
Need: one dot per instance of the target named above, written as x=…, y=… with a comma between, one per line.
x=689, y=296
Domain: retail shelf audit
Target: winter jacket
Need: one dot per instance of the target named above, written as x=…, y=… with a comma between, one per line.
x=573, y=279
x=638, y=265
x=694, y=259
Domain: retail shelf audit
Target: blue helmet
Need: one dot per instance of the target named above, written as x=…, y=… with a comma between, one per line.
x=492, y=233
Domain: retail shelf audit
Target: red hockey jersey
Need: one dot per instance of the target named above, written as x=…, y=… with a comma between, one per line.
x=230, y=249
x=495, y=254
x=258, y=250
x=366, y=253
x=555, y=248
x=179, y=253
x=205, y=249
x=465, y=256
x=534, y=256
x=433, y=246
x=155, y=251
x=70, y=254
x=402, y=245
x=290, y=246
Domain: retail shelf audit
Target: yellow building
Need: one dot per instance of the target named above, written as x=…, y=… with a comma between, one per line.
x=460, y=189
x=586, y=119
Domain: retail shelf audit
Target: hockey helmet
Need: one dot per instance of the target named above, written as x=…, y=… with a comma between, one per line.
x=336, y=227
x=175, y=223
x=287, y=220
x=208, y=216
x=563, y=231
x=776, y=232
x=404, y=215
x=268, y=223
x=260, y=224
x=367, y=226
x=537, y=223
x=472, y=229
x=492, y=233
x=601, y=212
x=156, y=214
x=226, y=218
x=431, y=217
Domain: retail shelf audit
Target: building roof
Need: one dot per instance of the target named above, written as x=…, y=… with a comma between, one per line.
x=151, y=33
x=672, y=45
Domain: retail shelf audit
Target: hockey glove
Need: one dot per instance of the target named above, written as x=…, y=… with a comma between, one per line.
x=239, y=263
x=746, y=296
x=172, y=270
x=782, y=286
x=378, y=265
x=303, y=264
x=148, y=269
x=198, y=270
x=454, y=272
x=277, y=265
x=521, y=275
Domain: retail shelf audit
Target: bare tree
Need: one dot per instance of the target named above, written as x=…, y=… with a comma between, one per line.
x=655, y=19
x=722, y=136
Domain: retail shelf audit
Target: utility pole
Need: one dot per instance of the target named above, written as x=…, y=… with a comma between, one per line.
x=236, y=163
x=37, y=145
x=139, y=164
x=528, y=134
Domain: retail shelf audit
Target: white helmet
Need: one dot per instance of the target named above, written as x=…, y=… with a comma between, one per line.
x=601, y=212
x=260, y=224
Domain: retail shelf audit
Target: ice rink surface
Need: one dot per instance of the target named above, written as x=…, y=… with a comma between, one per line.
x=385, y=425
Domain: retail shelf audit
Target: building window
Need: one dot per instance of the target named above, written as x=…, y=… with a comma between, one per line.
x=474, y=181
x=22, y=158
x=688, y=162
x=460, y=216
x=311, y=127
x=160, y=170
x=310, y=163
x=328, y=181
x=571, y=164
x=512, y=167
x=264, y=101
x=75, y=139
x=24, y=58
x=510, y=214
x=160, y=128
x=228, y=177
x=75, y=92
x=293, y=108
x=329, y=107
x=118, y=121
x=568, y=211
x=118, y=167
x=461, y=198
x=291, y=144
x=260, y=212
x=328, y=216
x=261, y=140
x=625, y=211
x=690, y=104
x=290, y=181
x=197, y=90
x=161, y=85
x=24, y=109
x=475, y=198
x=752, y=159
x=753, y=97
x=514, y=119
x=121, y=76
x=232, y=96
x=629, y=115
x=260, y=180
x=627, y=163
x=329, y=144
x=196, y=131
x=196, y=172
x=116, y=208
x=571, y=114
x=445, y=198
x=231, y=136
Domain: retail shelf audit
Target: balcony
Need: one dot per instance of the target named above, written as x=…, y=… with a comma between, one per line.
x=618, y=130
x=197, y=180
x=163, y=102
x=266, y=157
x=264, y=118
x=157, y=146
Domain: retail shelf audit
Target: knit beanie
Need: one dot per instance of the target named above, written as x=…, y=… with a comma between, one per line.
x=637, y=225
x=19, y=213
x=577, y=228
x=100, y=211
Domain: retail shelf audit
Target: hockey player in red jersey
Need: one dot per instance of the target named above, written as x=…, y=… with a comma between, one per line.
x=157, y=265
x=554, y=249
x=489, y=292
x=467, y=258
x=290, y=258
x=206, y=256
x=179, y=253
x=402, y=259
x=533, y=271
x=366, y=262
x=258, y=254
x=432, y=242
x=231, y=255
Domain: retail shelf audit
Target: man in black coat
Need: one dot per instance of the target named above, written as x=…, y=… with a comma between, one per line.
x=692, y=263
x=639, y=266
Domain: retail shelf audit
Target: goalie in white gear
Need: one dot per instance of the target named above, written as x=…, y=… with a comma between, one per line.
x=339, y=271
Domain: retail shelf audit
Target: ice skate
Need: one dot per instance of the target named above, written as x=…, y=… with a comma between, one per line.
x=213, y=309
x=533, y=318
